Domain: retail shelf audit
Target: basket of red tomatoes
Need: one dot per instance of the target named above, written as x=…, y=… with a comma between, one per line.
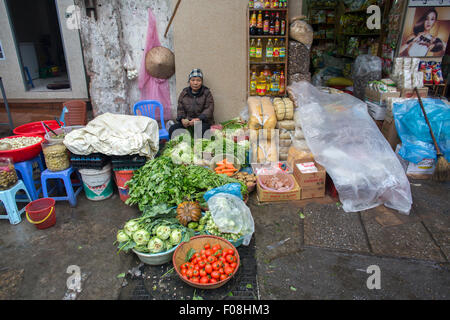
x=206, y=261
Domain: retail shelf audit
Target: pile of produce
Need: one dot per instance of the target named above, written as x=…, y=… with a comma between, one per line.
x=18, y=143
x=211, y=228
x=156, y=231
x=225, y=167
x=210, y=265
x=278, y=182
x=245, y=177
x=162, y=181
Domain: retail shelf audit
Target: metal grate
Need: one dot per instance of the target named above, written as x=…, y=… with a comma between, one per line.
x=156, y=284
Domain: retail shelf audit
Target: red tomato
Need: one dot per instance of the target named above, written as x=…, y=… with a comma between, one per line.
x=208, y=252
x=195, y=279
x=223, y=260
x=196, y=267
x=231, y=259
x=230, y=252
x=212, y=280
x=224, y=253
x=190, y=266
x=196, y=273
x=216, y=265
x=217, y=247
x=202, y=252
x=211, y=259
x=207, y=246
x=183, y=266
x=215, y=274
x=221, y=270
x=183, y=272
x=204, y=280
x=202, y=263
x=233, y=265
x=225, y=265
x=204, y=257
x=228, y=271
x=203, y=273
x=186, y=277
x=196, y=255
x=190, y=273
x=223, y=277
x=208, y=268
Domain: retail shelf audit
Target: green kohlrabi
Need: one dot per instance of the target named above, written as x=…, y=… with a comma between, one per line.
x=130, y=227
x=122, y=236
x=141, y=237
x=156, y=245
x=163, y=232
x=175, y=236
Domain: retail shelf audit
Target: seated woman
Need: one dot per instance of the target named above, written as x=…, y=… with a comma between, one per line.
x=195, y=104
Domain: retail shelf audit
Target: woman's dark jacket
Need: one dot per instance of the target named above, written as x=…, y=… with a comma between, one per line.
x=199, y=105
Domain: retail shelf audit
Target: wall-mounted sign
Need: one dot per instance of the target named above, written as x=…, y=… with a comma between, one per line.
x=426, y=32
x=428, y=3
x=2, y=53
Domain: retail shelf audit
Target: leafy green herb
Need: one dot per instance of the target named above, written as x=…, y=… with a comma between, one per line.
x=122, y=275
x=190, y=254
x=249, y=286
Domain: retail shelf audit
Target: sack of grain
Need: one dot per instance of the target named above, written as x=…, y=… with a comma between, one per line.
x=285, y=142
x=299, y=58
x=289, y=109
x=295, y=154
x=261, y=113
x=285, y=134
x=301, y=31
x=286, y=124
x=284, y=108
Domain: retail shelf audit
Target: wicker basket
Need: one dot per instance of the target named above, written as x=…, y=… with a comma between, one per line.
x=197, y=243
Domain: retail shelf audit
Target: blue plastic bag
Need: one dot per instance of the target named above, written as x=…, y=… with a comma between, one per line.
x=413, y=130
x=230, y=188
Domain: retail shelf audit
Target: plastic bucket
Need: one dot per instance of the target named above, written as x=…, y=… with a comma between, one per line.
x=41, y=213
x=97, y=184
x=121, y=178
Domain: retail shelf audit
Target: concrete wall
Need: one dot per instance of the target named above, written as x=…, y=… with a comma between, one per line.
x=120, y=28
x=212, y=35
x=10, y=69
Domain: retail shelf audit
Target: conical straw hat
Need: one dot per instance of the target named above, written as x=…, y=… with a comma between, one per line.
x=160, y=63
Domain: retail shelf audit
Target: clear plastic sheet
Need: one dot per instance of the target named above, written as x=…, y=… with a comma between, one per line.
x=231, y=215
x=346, y=141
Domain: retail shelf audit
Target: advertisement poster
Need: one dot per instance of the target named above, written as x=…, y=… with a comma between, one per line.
x=426, y=32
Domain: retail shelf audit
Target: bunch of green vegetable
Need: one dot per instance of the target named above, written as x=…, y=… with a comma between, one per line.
x=211, y=228
x=156, y=231
x=162, y=181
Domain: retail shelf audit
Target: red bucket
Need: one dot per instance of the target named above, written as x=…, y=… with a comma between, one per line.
x=41, y=213
x=123, y=177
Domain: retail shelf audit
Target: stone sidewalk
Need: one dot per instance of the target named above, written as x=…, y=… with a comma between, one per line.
x=318, y=251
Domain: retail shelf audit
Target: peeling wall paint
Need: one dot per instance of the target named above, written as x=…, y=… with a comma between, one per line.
x=121, y=27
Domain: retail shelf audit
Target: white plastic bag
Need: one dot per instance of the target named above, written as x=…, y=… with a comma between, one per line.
x=346, y=141
x=231, y=215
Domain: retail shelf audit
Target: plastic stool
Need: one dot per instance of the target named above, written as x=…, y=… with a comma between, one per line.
x=8, y=197
x=25, y=169
x=65, y=175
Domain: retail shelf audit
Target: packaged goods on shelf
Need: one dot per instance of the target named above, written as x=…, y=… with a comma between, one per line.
x=261, y=113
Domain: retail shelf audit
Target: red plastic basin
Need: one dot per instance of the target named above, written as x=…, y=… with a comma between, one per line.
x=35, y=128
x=23, y=154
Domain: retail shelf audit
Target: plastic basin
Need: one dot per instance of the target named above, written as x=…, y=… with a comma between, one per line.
x=156, y=259
x=23, y=154
x=35, y=128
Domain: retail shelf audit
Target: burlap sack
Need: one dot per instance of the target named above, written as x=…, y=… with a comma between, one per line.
x=301, y=31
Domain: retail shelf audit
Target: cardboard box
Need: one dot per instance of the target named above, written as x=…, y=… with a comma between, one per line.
x=310, y=180
x=310, y=193
x=270, y=196
x=410, y=93
x=425, y=167
x=390, y=132
x=380, y=97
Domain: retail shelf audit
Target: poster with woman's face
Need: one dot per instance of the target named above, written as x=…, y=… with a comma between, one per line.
x=426, y=32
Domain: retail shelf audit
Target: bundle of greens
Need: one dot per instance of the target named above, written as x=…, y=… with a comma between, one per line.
x=162, y=181
x=156, y=231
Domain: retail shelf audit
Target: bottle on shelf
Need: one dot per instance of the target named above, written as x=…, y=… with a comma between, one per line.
x=251, y=4
x=282, y=50
x=275, y=85
x=275, y=4
x=261, y=87
x=283, y=27
x=276, y=51
x=266, y=4
x=253, y=24
x=272, y=25
x=268, y=75
x=282, y=84
x=253, y=83
x=269, y=51
x=259, y=24
x=277, y=24
x=266, y=23
x=252, y=50
x=258, y=51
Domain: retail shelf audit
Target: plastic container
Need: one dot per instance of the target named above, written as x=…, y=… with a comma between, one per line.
x=287, y=179
x=49, y=136
x=97, y=184
x=56, y=155
x=8, y=175
x=156, y=259
x=22, y=154
x=123, y=177
x=36, y=128
x=41, y=213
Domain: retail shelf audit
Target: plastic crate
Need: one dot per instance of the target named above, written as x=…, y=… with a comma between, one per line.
x=128, y=162
x=92, y=161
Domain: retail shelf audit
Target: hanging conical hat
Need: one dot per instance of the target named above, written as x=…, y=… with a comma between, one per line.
x=160, y=63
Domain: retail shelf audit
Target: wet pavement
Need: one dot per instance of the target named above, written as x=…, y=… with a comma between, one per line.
x=302, y=250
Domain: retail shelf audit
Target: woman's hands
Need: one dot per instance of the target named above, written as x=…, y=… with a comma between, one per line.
x=186, y=123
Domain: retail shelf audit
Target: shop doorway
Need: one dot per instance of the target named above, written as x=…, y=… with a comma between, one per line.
x=40, y=48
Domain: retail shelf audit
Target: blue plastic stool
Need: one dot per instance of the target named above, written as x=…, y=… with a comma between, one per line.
x=8, y=197
x=65, y=175
x=147, y=108
x=25, y=170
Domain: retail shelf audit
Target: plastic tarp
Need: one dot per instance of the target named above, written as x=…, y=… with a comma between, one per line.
x=116, y=134
x=346, y=141
x=413, y=130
